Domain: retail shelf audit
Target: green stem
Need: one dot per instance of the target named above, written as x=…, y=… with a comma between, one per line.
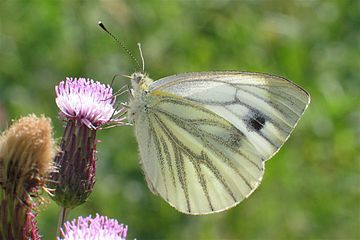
x=63, y=213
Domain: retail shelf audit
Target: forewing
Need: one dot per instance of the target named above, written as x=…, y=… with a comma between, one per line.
x=263, y=107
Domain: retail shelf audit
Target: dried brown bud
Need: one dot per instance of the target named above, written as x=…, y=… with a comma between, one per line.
x=26, y=154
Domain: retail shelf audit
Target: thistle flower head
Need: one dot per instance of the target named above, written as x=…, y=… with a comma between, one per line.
x=90, y=102
x=99, y=227
x=86, y=106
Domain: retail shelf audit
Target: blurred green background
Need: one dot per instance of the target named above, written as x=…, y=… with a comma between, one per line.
x=311, y=187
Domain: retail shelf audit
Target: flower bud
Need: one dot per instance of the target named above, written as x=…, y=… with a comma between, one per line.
x=26, y=153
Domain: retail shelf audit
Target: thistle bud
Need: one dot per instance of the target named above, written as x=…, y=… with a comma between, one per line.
x=26, y=153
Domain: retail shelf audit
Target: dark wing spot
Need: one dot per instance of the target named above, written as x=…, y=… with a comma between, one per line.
x=255, y=121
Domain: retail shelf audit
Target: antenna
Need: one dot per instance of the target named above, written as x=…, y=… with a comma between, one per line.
x=122, y=45
x=142, y=58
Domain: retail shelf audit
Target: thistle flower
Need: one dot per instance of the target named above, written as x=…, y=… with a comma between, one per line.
x=99, y=227
x=86, y=106
x=89, y=102
x=26, y=152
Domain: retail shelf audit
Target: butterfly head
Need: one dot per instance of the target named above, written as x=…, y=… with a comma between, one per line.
x=137, y=77
x=140, y=80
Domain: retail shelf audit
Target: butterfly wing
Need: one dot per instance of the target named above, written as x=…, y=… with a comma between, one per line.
x=204, y=137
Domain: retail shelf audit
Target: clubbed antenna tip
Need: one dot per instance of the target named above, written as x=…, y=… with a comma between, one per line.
x=120, y=43
x=103, y=27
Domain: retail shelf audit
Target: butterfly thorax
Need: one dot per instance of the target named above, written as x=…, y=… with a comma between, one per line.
x=140, y=83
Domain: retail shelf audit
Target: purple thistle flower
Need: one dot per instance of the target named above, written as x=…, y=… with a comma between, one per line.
x=99, y=227
x=86, y=106
x=90, y=102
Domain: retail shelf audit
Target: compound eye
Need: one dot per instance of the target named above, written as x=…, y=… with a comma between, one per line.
x=138, y=79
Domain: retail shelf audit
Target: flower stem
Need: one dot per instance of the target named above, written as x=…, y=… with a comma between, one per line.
x=63, y=213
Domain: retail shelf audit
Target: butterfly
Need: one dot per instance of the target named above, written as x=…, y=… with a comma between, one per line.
x=204, y=137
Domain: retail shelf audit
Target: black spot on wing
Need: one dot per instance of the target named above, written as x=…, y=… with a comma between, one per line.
x=255, y=121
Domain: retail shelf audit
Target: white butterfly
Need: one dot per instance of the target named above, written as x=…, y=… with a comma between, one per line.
x=204, y=137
